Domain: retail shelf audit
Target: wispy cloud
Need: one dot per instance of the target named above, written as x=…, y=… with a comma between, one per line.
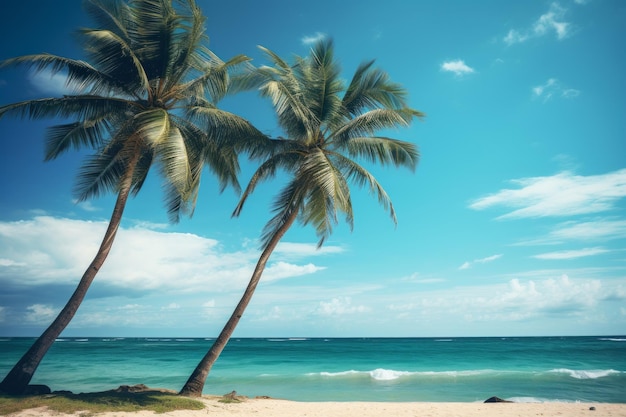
x=604, y=229
x=311, y=39
x=457, y=67
x=86, y=205
x=571, y=254
x=550, y=22
x=293, y=250
x=563, y=194
x=553, y=88
x=593, y=230
x=468, y=264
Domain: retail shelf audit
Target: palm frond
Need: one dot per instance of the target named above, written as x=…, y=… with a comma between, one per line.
x=327, y=194
x=384, y=151
x=100, y=173
x=153, y=126
x=60, y=138
x=111, y=15
x=113, y=56
x=285, y=90
x=322, y=84
x=371, y=122
x=267, y=170
x=353, y=172
x=289, y=200
x=80, y=107
x=174, y=161
x=230, y=130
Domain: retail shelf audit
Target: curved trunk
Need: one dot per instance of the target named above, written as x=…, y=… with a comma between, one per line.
x=195, y=384
x=17, y=380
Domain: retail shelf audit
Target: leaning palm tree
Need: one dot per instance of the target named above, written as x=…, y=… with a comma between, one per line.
x=327, y=125
x=146, y=96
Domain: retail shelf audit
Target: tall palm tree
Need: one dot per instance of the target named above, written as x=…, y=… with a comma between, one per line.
x=327, y=124
x=147, y=96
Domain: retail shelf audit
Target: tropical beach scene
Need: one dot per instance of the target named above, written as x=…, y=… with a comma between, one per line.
x=312, y=209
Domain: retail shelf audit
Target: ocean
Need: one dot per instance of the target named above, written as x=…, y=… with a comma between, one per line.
x=523, y=369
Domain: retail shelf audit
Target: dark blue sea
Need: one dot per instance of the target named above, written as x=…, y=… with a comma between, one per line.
x=524, y=369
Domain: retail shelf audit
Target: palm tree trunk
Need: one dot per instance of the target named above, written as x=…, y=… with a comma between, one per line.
x=17, y=380
x=195, y=384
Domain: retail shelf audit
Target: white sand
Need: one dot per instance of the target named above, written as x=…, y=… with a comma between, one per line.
x=281, y=408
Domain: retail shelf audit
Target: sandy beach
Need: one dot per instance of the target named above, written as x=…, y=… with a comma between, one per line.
x=282, y=408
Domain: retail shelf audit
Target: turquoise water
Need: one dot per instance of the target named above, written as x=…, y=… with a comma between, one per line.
x=589, y=369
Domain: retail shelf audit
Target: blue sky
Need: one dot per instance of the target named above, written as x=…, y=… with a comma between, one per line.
x=514, y=222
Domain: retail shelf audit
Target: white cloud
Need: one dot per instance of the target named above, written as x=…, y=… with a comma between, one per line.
x=86, y=205
x=293, y=250
x=548, y=23
x=467, y=265
x=512, y=305
x=563, y=194
x=47, y=82
x=308, y=40
x=571, y=254
x=339, y=306
x=10, y=262
x=553, y=88
x=515, y=37
x=282, y=270
x=545, y=88
x=458, y=67
x=40, y=314
x=48, y=250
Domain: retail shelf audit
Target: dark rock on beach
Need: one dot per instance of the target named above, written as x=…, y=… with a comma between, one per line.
x=496, y=400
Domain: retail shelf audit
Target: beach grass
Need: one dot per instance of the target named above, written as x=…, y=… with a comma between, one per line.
x=100, y=402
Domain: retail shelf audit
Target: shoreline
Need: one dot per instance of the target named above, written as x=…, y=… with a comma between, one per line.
x=270, y=407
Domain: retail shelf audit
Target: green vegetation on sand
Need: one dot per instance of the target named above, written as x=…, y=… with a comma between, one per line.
x=159, y=401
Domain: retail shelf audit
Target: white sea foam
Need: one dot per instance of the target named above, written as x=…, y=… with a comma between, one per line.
x=537, y=400
x=586, y=374
x=333, y=374
x=387, y=374
x=612, y=339
x=381, y=374
x=444, y=340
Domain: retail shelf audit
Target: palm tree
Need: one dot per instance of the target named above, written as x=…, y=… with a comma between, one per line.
x=327, y=125
x=147, y=96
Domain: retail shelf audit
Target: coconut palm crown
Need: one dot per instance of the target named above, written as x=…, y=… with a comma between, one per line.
x=328, y=126
x=145, y=95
